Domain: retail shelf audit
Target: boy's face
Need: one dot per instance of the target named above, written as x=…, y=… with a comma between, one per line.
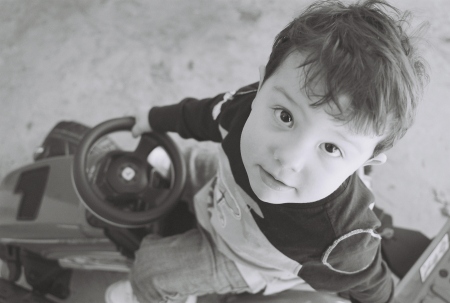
x=294, y=153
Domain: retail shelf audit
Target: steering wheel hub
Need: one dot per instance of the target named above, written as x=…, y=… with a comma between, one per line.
x=126, y=175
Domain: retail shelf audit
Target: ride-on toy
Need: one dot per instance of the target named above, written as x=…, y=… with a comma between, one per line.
x=86, y=204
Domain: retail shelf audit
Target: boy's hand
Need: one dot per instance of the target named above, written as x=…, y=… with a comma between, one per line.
x=142, y=124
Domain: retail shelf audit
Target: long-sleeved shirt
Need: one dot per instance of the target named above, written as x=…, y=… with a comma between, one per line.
x=330, y=244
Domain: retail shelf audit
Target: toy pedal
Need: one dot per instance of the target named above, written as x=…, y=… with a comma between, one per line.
x=10, y=292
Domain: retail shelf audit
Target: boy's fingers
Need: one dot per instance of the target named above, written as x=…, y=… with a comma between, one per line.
x=135, y=131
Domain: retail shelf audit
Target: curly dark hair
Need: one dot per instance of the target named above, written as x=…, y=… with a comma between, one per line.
x=360, y=50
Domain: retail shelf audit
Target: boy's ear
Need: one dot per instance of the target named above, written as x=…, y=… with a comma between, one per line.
x=262, y=73
x=377, y=160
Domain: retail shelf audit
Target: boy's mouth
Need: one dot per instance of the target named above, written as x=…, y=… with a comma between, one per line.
x=271, y=182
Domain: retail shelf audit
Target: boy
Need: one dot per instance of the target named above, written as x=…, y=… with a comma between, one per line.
x=286, y=207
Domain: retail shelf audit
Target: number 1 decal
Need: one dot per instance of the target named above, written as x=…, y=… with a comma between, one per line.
x=32, y=186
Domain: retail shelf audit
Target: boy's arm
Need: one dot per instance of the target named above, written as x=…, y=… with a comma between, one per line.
x=205, y=119
x=373, y=284
x=191, y=118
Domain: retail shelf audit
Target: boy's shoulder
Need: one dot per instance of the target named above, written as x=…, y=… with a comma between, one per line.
x=355, y=226
x=352, y=209
x=248, y=89
x=247, y=92
x=235, y=104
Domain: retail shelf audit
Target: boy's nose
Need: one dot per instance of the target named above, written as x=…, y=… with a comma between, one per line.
x=292, y=158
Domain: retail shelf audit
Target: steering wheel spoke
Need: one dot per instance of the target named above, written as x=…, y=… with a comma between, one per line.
x=146, y=145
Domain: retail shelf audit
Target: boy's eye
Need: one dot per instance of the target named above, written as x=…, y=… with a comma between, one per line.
x=284, y=116
x=332, y=149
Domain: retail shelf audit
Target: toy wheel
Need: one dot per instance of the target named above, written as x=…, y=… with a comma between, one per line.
x=126, y=191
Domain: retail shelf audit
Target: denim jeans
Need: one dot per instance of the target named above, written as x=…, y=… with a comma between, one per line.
x=170, y=269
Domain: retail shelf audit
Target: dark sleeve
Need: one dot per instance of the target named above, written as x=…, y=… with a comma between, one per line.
x=364, y=277
x=191, y=118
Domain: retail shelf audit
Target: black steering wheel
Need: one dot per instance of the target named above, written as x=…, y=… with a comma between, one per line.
x=127, y=176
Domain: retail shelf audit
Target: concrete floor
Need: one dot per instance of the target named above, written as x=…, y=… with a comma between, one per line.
x=90, y=61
